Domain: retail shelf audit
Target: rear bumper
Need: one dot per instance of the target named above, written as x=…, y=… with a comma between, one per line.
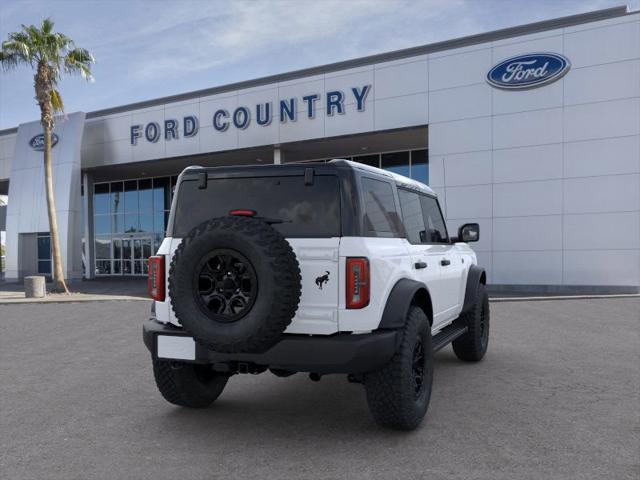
x=340, y=353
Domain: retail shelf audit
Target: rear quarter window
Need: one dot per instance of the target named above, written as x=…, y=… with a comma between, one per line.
x=381, y=218
x=305, y=210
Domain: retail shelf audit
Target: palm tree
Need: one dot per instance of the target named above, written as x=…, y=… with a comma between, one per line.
x=49, y=54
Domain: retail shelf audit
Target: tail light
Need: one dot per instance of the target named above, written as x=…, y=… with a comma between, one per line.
x=358, y=282
x=155, y=283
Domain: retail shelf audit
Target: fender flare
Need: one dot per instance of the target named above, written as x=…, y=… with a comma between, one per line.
x=399, y=301
x=476, y=276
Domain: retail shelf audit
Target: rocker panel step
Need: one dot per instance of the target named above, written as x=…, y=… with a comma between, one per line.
x=447, y=335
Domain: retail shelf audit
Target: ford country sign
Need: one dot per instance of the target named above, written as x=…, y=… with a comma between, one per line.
x=528, y=71
x=37, y=142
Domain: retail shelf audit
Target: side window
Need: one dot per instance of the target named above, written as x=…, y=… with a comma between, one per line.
x=436, y=229
x=380, y=215
x=412, y=216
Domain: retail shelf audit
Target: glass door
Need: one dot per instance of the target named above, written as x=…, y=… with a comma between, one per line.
x=130, y=255
x=141, y=253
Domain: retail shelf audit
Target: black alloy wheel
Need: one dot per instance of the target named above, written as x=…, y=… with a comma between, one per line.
x=225, y=285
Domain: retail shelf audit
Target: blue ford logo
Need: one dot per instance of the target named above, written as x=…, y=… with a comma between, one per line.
x=37, y=142
x=528, y=71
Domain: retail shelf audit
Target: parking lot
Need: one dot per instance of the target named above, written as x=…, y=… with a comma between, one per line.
x=558, y=396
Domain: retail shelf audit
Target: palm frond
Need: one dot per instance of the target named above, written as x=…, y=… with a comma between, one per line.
x=56, y=101
x=19, y=46
x=9, y=61
x=47, y=26
x=79, y=61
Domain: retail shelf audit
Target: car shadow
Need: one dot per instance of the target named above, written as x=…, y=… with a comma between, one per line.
x=287, y=408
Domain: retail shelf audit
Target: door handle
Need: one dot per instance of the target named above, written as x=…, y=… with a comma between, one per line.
x=419, y=265
x=445, y=262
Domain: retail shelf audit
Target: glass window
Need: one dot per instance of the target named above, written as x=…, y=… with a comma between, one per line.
x=103, y=247
x=117, y=248
x=437, y=230
x=157, y=241
x=44, y=247
x=158, y=222
x=146, y=249
x=44, y=266
x=131, y=204
x=116, y=198
x=103, y=267
x=412, y=216
x=372, y=160
x=146, y=222
x=161, y=194
x=397, y=162
x=117, y=223
x=126, y=249
x=102, y=224
x=145, y=195
x=131, y=223
x=381, y=216
x=101, y=198
x=420, y=166
x=306, y=210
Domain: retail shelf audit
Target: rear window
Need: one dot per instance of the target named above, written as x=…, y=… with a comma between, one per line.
x=305, y=210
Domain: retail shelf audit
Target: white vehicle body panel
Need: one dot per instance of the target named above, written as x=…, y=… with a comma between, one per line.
x=322, y=311
x=318, y=309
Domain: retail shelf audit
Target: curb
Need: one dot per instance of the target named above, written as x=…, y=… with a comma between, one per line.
x=561, y=297
x=21, y=301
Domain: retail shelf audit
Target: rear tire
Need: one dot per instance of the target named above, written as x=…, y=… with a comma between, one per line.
x=398, y=394
x=472, y=346
x=187, y=384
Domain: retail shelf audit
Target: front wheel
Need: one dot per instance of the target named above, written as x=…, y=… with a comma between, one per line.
x=398, y=394
x=187, y=384
x=472, y=346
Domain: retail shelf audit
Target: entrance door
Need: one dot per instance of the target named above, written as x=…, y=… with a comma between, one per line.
x=130, y=255
x=140, y=254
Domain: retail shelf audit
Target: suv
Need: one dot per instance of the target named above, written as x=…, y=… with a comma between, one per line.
x=323, y=268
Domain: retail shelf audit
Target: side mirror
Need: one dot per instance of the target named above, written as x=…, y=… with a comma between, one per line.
x=469, y=232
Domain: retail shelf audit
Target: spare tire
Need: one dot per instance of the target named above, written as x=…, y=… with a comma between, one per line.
x=234, y=284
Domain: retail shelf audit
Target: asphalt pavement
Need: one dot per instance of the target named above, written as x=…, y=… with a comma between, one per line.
x=557, y=397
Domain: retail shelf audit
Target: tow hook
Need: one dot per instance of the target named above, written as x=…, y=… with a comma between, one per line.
x=315, y=377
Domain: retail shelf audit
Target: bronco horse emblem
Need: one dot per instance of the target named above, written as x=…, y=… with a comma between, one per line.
x=322, y=279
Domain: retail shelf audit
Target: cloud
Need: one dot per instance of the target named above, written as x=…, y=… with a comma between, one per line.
x=192, y=37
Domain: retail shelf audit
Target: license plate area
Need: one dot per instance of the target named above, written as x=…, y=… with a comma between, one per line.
x=176, y=347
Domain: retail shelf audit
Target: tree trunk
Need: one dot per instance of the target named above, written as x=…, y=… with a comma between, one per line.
x=59, y=284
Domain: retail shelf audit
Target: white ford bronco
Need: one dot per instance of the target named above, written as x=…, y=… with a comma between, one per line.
x=312, y=267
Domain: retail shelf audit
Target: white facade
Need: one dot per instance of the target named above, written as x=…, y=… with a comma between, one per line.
x=552, y=174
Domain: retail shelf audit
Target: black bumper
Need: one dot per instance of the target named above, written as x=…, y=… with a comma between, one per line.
x=339, y=353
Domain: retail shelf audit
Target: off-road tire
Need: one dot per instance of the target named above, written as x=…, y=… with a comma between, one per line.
x=472, y=346
x=187, y=384
x=391, y=392
x=277, y=276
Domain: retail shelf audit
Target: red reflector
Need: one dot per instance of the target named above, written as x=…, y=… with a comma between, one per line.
x=155, y=284
x=358, y=282
x=242, y=213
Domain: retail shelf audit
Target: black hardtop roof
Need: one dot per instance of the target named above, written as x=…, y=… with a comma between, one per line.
x=333, y=167
x=296, y=168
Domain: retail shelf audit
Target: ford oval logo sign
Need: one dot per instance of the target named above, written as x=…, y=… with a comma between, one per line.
x=37, y=142
x=528, y=71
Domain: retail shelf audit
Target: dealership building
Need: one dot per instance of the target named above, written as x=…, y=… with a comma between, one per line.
x=531, y=131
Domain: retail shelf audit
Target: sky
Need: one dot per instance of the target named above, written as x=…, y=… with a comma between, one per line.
x=150, y=49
